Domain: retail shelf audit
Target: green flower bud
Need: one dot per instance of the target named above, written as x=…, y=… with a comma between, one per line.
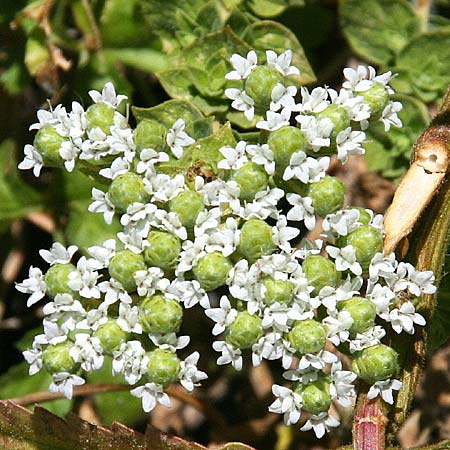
x=364, y=216
x=212, y=270
x=100, y=115
x=251, y=178
x=376, y=363
x=316, y=396
x=163, y=250
x=150, y=134
x=111, y=336
x=307, y=336
x=122, y=267
x=367, y=241
x=320, y=272
x=363, y=313
x=158, y=314
x=278, y=291
x=259, y=85
x=56, y=279
x=327, y=195
x=377, y=97
x=163, y=366
x=284, y=143
x=339, y=116
x=187, y=204
x=244, y=331
x=127, y=189
x=56, y=358
x=48, y=142
x=256, y=240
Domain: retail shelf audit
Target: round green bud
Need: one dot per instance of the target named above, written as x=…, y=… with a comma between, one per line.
x=307, y=336
x=150, y=134
x=376, y=363
x=277, y=291
x=327, y=195
x=259, y=85
x=377, y=97
x=163, y=250
x=56, y=358
x=212, y=270
x=316, y=397
x=338, y=115
x=251, y=178
x=363, y=313
x=100, y=115
x=320, y=272
x=244, y=331
x=364, y=216
x=163, y=366
x=367, y=241
x=284, y=143
x=57, y=278
x=188, y=205
x=256, y=240
x=122, y=267
x=158, y=314
x=127, y=189
x=111, y=336
x=48, y=142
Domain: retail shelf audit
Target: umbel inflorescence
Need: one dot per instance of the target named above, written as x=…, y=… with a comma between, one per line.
x=197, y=218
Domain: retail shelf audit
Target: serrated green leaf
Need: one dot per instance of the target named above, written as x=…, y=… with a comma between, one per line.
x=268, y=35
x=378, y=30
x=271, y=8
x=17, y=382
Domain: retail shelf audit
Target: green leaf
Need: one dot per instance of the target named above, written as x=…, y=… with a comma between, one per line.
x=16, y=382
x=267, y=35
x=272, y=8
x=17, y=199
x=426, y=61
x=439, y=330
x=145, y=59
x=378, y=30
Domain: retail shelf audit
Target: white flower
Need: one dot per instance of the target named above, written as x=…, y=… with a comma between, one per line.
x=58, y=254
x=241, y=102
x=262, y=154
x=385, y=388
x=147, y=281
x=314, y=102
x=148, y=158
x=64, y=382
x=189, y=375
x=88, y=351
x=278, y=315
x=404, y=318
x=34, y=358
x=317, y=131
x=282, y=234
x=367, y=339
x=118, y=167
x=225, y=239
x=320, y=423
x=169, y=341
x=151, y=394
x=274, y=120
x=381, y=297
x=282, y=63
x=342, y=387
x=69, y=152
x=317, y=361
x=33, y=160
x=389, y=116
x=283, y=97
x=130, y=361
x=363, y=78
x=338, y=325
x=330, y=295
x=345, y=258
x=108, y=96
x=229, y=354
x=242, y=66
x=189, y=293
x=103, y=254
x=34, y=285
x=235, y=158
x=128, y=318
x=49, y=117
x=84, y=279
x=102, y=204
x=63, y=303
x=349, y=143
x=307, y=247
x=382, y=266
x=177, y=138
x=288, y=403
x=341, y=223
x=223, y=316
x=263, y=206
x=306, y=169
x=302, y=210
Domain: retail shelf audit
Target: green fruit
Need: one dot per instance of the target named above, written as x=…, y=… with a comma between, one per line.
x=48, y=142
x=256, y=240
x=150, y=134
x=111, y=336
x=159, y=314
x=307, y=336
x=278, y=291
x=364, y=216
x=244, y=331
x=56, y=358
x=377, y=97
x=127, y=189
x=363, y=313
x=123, y=266
x=320, y=272
x=316, y=396
x=251, y=178
x=57, y=278
x=100, y=115
x=163, y=250
x=188, y=205
x=327, y=195
x=376, y=363
x=339, y=116
x=163, y=366
x=212, y=271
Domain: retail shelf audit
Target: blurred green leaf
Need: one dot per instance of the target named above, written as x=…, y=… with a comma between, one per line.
x=378, y=29
x=145, y=59
x=271, y=8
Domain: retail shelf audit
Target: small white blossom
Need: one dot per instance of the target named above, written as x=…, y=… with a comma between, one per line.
x=282, y=234
x=262, y=154
x=345, y=258
x=108, y=96
x=282, y=62
x=385, y=389
x=242, y=66
x=223, y=316
x=58, y=254
x=338, y=325
x=177, y=138
x=317, y=361
x=302, y=210
x=349, y=143
x=320, y=424
x=315, y=101
x=118, y=167
x=404, y=318
x=288, y=403
x=189, y=375
x=84, y=279
x=274, y=120
x=283, y=97
x=389, y=116
x=341, y=223
x=103, y=254
x=34, y=285
x=130, y=361
x=367, y=339
x=102, y=204
x=229, y=354
x=241, y=102
x=128, y=318
x=342, y=387
x=64, y=382
x=88, y=351
x=151, y=394
x=235, y=158
x=317, y=131
x=33, y=160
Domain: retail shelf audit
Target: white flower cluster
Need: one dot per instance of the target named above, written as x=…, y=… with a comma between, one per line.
x=185, y=236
